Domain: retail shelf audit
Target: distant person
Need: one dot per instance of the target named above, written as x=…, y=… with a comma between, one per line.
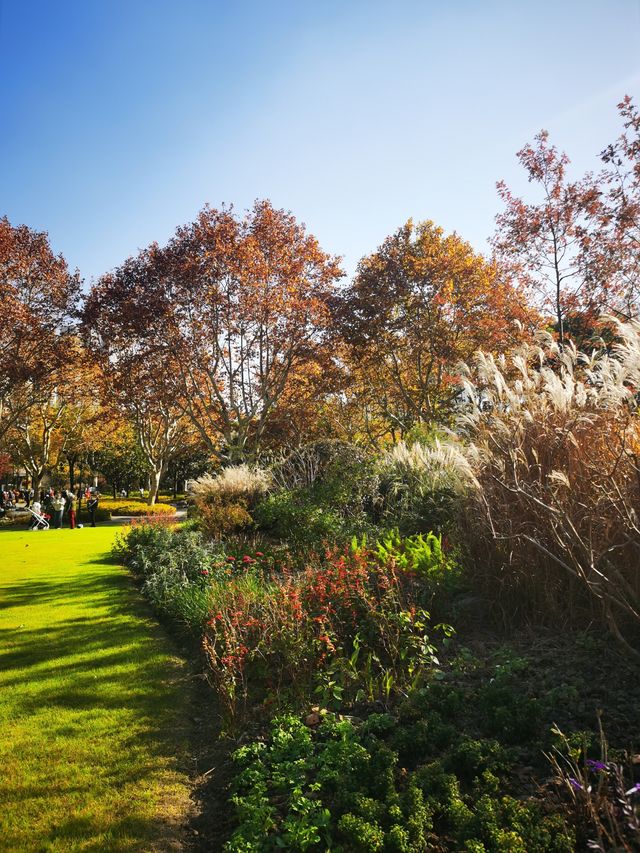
x=92, y=506
x=57, y=505
x=46, y=503
x=73, y=505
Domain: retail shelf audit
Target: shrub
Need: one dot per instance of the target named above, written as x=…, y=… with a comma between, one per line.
x=343, y=786
x=302, y=788
x=423, y=487
x=218, y=520
x=174, y=567
x=137, y=509
x=224, y=502
x=351, y=622
x=15, y=518
x=326, y=492
x=238, y=484
x=556, y=437
x=293, y=516
x=332, y=473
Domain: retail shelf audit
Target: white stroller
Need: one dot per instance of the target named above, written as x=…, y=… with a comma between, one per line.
x=41, y=520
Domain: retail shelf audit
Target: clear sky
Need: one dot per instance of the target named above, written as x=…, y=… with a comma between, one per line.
x=120, y=119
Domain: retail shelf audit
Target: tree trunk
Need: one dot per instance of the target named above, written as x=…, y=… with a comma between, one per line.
x=72, y=471
x=154, y=485
x=36, y=480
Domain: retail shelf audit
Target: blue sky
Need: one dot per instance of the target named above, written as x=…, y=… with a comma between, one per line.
x=120, y=119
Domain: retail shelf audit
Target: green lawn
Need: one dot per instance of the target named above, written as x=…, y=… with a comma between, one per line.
x=92, y=711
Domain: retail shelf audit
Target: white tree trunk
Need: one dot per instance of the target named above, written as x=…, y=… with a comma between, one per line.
x=154, y=485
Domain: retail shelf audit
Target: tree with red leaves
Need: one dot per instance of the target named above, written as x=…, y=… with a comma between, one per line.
x=38, y=298
x=577, y=247
x=223, y=318
x=620, y=219
x=38, y=302
x=545, y=245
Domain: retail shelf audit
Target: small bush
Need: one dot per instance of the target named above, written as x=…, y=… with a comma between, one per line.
x=342, y=786
x=295, y=517
x=349, y=625
x=224, y=502
x=139, y=510
x=174, y=567
x=217, y=520
x=424, y=487
x=325, y=492
x=238, y=484
x=333, y=473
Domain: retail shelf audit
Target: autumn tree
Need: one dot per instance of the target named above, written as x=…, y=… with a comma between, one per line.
x=46, y=426
x=38, y=297
x=416, y=307
x=191, y=459
x=86, y=422
x=576, y=244
x=619, y=223
x=228, y=312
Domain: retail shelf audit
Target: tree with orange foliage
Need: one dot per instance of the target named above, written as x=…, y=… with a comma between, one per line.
x=227, y=313
x=44, y=427
x=419, y=305
x=38, y=298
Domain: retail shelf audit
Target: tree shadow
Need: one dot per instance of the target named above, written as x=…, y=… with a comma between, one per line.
x=111, y=655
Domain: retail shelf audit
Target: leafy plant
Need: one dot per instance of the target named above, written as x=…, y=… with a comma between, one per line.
x=422, y=554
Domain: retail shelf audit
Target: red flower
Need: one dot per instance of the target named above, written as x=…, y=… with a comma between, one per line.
x=231, y=559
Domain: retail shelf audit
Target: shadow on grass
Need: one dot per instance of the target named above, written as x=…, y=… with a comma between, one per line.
x=108, y=656
x=62, y=593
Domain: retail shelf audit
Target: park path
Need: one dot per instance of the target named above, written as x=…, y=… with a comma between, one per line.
x=93, y=702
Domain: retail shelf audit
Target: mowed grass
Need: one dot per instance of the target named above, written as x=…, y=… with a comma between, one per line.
x=92, y=711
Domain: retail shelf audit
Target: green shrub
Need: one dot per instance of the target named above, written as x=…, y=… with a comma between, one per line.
x=423, y=487
x=341, y=785
x=324, y=492
x=323, y=784
x=293, y=516
x=175, y=567
x=423, y=555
